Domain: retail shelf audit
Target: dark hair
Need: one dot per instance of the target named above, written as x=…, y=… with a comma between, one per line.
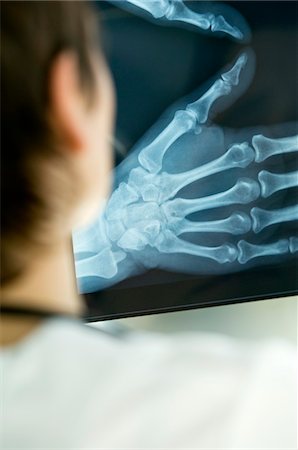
x=33, y=182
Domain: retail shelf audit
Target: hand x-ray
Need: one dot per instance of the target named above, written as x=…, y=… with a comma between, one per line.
x=204, y=205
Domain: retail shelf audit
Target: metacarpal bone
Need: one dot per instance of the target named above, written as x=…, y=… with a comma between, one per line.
x=194, y=115
x=169, y=243
x=262, y=218
x=152, y=155
x=236, y=223
x=274, y=182
x=239, y=155
x=248, y=251
x=266, y=147
x=244, y=191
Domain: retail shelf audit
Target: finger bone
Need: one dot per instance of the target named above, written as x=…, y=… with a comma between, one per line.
x=157, y=9
x=180, y=12
x=293, y=244
x=219, y=88
x=274, y=182
x=248, y=251
x=266, y=147
x=196, y=113
x=219, y=23
x=262, y=218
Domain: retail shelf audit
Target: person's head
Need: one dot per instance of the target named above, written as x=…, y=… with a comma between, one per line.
x=57, y=113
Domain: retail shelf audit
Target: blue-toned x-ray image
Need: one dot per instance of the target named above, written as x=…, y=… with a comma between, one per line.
x=195, y=196
x=213, y=17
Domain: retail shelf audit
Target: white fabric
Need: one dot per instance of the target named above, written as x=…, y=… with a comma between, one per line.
x=67, y=386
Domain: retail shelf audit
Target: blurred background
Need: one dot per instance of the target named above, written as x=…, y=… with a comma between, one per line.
x=257, y=321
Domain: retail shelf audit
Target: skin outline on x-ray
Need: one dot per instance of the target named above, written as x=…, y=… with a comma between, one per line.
x=222, y=197
x=201, y=16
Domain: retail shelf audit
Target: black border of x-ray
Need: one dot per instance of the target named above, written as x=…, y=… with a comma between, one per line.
x=193, y=293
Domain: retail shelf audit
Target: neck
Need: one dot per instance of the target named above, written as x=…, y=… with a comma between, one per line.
x=49, y=284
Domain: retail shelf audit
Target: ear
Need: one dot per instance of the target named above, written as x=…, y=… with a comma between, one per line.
x=67, y=103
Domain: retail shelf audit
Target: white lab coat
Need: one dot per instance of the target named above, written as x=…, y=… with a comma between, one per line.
x=67, y=386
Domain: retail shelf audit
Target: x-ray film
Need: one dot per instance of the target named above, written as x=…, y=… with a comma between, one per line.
x=202, y=212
